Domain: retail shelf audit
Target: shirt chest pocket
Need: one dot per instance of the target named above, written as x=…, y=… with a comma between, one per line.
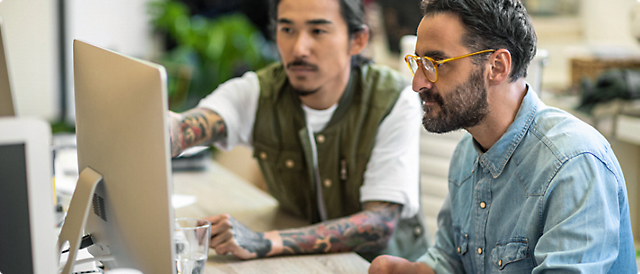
x=462, y=246
x=512, y=257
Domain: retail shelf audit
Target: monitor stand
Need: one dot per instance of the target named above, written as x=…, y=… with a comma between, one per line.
x=74, y=223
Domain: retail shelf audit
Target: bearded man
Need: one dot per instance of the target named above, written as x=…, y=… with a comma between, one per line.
x=532, y=189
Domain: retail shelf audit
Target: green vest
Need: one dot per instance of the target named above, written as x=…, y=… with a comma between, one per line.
x=284, y=151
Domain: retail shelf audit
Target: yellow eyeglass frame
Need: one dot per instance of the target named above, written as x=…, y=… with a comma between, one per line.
x=435, y=63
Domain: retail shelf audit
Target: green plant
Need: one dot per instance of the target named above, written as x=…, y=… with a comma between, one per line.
x=61, y=126
x=207, y=52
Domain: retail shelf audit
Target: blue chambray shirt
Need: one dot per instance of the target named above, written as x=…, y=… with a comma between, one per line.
x=548, y=195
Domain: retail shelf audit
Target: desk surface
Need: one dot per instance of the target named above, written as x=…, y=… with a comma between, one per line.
x=220, y=191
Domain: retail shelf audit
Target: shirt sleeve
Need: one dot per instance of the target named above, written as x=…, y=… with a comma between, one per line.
x=441, y=257
x=581, y=232
x=392, y=173
x=236, y=101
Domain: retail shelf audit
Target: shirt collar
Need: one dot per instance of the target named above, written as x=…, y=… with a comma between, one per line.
x=496, y=158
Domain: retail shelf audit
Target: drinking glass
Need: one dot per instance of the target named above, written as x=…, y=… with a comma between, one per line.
x=192, y=238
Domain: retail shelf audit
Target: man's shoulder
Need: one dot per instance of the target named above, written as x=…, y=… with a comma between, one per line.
x=381, y=86
x=555, y=139
x=383, y=77
x=271, y=79
x=566, y=134
x=270, y=70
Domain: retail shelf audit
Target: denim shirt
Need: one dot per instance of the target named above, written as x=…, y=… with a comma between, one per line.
x=548, y=195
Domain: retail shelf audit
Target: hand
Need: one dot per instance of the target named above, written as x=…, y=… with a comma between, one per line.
x=230, y=236
x=390, y=264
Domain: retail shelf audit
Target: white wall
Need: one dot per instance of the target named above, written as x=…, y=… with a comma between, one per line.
x=607, y=22
x=119, y=25
x=32, y=42
x=29, y=28
x=122, y=25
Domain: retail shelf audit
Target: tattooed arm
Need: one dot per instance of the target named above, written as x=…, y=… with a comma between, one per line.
x=194, y=127
x=369, y=230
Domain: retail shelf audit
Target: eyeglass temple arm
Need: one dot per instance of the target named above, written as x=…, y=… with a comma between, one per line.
x=463, y=56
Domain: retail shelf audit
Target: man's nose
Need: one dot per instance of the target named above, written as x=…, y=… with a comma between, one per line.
x=302, y=45
x=420, y=81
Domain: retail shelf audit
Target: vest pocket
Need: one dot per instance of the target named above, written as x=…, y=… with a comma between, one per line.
x=292, y=180
x=267, y=160
x=512, y=256
x=290, y=161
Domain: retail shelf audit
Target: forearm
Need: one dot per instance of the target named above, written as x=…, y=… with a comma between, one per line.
x=369, y=230
x=195, y=127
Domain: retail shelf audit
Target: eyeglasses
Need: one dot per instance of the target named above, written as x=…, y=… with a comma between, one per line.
x=430, y=66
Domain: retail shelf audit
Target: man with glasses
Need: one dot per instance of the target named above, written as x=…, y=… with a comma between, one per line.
x=532, y=189
x=336, y=138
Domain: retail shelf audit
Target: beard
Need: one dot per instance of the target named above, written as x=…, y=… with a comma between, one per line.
x=304, y=92
x=465, y=107
x=299, y=63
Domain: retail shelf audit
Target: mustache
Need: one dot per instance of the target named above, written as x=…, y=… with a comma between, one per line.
x=427, y=95
x=303, y=64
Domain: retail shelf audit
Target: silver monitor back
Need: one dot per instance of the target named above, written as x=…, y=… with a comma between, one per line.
x=6, y=96
x=121, y=107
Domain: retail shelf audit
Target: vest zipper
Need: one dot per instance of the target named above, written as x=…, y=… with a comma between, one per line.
x=314, y=151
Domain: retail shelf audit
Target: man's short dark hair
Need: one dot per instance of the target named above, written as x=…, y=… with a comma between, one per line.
x=493, y=24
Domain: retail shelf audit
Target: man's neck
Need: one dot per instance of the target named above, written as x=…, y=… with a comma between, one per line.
x=329, y=94
x=504, y=103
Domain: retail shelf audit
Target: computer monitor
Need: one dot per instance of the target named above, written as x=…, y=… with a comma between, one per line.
x=122, y=135
x=27, y=224
x=6, y=96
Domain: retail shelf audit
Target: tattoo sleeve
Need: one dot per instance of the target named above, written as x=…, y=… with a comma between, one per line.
x=195, y=127
x=254, y=242
x=369, y=230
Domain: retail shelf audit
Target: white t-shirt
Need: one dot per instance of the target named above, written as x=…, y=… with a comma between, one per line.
x=392, y=173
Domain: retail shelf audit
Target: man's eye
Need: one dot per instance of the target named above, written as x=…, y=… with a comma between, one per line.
x=285, y=30
x=319, y=31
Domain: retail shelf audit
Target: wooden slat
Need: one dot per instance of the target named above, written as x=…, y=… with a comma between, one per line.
x=434, y=186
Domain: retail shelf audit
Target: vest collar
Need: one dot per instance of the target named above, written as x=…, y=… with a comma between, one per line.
x=343, y=104
x=347, y=98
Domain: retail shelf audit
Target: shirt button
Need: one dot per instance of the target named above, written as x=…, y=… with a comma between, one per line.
x=483, y=205
x=263, y=155
x=289, y=163
x=500, y=263
x=320, y=138
x=459, y=250
x=479, y=250
x=327, y=183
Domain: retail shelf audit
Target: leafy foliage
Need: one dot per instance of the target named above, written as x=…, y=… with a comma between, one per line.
x=207, y=52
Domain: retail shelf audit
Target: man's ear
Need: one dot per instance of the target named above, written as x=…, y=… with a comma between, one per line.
x=500, y=66
x=359, y=41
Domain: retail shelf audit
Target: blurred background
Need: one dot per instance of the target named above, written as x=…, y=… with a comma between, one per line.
x=205, y=42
